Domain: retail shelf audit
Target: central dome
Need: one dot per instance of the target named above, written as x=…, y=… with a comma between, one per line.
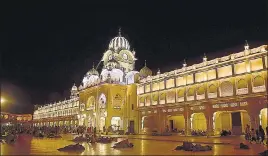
x=119, y=43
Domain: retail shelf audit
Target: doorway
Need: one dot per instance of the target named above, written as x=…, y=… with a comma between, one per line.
x=171, y=125
x=131, y=126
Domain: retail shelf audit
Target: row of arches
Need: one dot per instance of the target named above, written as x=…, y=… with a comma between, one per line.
x=234, y=121
x=226, y=88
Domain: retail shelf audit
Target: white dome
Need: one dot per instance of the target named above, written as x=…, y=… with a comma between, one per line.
x=114, y=74
x=119, y=43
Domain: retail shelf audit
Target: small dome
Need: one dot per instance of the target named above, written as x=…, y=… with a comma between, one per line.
x=119, y=43
x=145, y=71
x=74, y=88
x=92, y=71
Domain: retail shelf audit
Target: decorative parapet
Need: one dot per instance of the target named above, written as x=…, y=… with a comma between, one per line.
x=205, y=64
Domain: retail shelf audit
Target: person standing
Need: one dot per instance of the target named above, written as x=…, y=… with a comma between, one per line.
x=261, y=134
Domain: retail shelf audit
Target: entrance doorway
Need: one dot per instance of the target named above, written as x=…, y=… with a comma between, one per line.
x=176, y=123
x=198, y=122
x=171, y=125
x=131, y=126
x=235, y=121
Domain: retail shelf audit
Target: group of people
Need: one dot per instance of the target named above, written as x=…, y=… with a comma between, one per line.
x=198, y=133
x=257, y=135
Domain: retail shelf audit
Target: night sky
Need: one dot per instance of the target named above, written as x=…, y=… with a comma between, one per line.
x=52, y=44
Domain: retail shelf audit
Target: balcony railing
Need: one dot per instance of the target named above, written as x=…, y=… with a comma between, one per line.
x=258, y=89
x=242, y=91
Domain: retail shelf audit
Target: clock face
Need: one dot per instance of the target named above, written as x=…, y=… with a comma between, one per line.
x=125, y=56
x=110, y=57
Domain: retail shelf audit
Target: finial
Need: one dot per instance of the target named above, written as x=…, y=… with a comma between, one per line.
x=205, y=57
x=145, y=63
x=119, y=31
x=93, y=66
x=158, y=71
x=246, y=42
x=246, y=45
x=184, y=63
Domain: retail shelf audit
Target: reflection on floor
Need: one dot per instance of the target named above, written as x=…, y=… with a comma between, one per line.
x=27, y=145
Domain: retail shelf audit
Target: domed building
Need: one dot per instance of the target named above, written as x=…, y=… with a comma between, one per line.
x=104, y=104
x=207, y=96
x=145, y=71
x=119, y=43
x=91, y=77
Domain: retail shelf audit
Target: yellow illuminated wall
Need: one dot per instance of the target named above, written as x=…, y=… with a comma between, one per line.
x=162, y=85
x=240, y=68
x=171, y=96
x=190, y=79
x=178, y=122
x=225, y=71
x=155, y=86
x=180, y=81
x=155, y=97
x=147, y=88
x=199, y=121
x=200, y=77
x=256, y=64
x=211, y=74
x=141, y=89
x=170, y=83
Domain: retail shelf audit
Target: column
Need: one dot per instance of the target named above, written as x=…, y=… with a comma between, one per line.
x=209, y=119
x=187, y=121
x=254, y=120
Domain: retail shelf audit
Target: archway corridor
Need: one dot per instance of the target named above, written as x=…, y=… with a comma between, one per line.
x=234, y=121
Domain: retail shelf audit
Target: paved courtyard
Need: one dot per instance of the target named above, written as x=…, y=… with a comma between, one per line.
x=143, y=145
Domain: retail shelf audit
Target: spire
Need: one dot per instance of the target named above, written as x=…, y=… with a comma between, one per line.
x=93, y=66
x=145, y=63
x=158, y=71
x=246, y=45
x=119, y=31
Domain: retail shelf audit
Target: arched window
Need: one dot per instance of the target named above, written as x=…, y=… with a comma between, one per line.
x=162, y=96
x=180, y=93
x=258, y=81
x=190, y=92
x=226, y=88
x=212, y=88
x=242, y=84
x=200, y=90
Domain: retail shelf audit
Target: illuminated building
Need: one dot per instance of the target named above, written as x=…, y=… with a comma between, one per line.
x=225, y=93
x=60, y=113
x=8, y=118
x=110, y=98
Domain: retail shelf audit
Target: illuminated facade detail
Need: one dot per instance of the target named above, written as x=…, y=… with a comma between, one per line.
x=8, y=118
x=60, y=113
x=212, y=92
x=115, y=93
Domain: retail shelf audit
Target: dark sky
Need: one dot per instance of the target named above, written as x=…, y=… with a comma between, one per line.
x=52, y=44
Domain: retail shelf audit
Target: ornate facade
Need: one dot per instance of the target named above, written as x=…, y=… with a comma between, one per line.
x=8, y=118
x=221, y=94
x=110, y=98
x=60, y=113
